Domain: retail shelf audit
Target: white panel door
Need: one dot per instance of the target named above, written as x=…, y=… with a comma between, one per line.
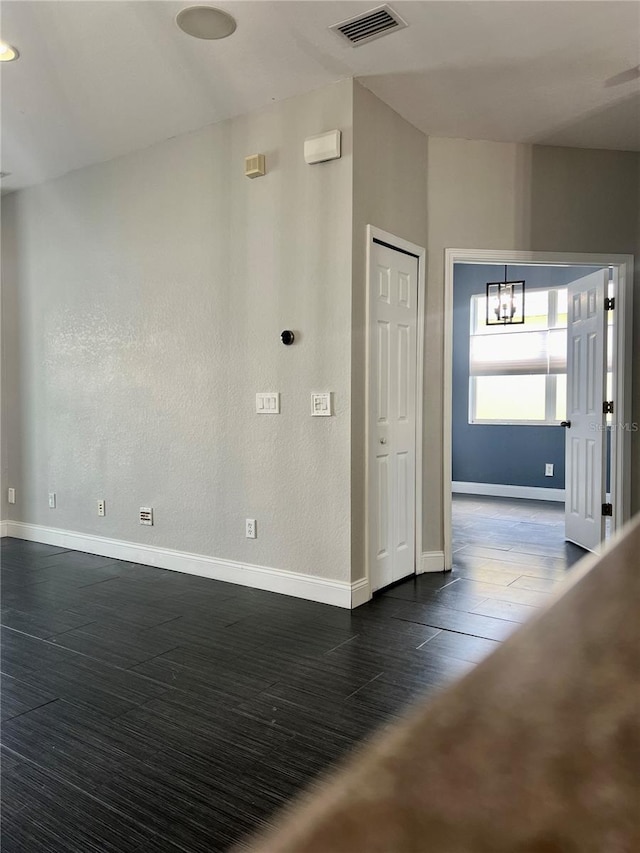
x=393, y=365
x=585, y=448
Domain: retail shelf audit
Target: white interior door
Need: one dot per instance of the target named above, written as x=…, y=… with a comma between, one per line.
x=586, y=421
x=392, y=428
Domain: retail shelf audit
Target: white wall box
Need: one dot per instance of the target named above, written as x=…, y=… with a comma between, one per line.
x=322, y=147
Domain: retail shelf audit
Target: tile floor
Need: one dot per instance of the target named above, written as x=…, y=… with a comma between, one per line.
x=146, y=710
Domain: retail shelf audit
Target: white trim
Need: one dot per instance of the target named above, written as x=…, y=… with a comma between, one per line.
x=4, y=529
x=431, y=561
x=312, y=588
x=620, y=446
x=622, y=367
x=421, y=253
x=500, y=490
x=360, y=592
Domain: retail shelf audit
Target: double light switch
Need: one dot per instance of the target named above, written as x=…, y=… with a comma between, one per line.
x=268, y=403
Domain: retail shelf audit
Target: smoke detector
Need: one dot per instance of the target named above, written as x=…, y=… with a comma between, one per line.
x=372, y=25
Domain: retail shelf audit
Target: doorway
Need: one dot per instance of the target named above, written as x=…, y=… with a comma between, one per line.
x=394, y=355
x=548, y=388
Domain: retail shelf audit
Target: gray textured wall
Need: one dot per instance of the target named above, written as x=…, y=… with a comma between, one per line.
x=389, y=192
x=143, y=299
x=495, y=195
x=148, y=297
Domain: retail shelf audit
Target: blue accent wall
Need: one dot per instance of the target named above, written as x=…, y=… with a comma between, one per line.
x=491, y=453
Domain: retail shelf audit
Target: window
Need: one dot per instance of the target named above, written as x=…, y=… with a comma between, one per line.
x=518, y=374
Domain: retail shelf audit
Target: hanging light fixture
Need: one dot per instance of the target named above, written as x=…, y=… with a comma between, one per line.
x=505, y=302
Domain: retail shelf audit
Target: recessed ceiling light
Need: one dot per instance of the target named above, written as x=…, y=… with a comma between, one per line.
x=205, y=22
x=7, y=53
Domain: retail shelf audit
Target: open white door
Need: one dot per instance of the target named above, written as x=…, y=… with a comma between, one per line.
x=392, y=369
x=586, y=421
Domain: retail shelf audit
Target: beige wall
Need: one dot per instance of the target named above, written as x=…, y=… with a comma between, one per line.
x=389, y=192
x=488, y=195
x=148, y=298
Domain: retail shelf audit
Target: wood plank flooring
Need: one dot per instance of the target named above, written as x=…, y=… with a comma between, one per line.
x=146, y=710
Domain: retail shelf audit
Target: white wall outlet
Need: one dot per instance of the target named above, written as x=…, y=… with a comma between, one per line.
x=268, y=403
x=251, y=531
x=321, y=405
x=146, y=515
x=52, y=500
x=548, y=469
x=101, y=508
x=11, y=496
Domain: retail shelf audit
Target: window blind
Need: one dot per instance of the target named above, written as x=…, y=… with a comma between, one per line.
x=518, y=353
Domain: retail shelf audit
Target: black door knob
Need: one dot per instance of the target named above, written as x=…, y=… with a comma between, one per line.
x=566, y=424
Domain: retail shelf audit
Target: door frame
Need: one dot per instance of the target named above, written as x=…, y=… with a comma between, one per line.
x=622, y=363
x=420, y=252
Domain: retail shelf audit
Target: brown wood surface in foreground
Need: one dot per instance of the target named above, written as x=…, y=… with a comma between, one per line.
x=537, y=750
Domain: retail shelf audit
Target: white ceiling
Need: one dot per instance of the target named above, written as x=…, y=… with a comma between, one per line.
x=98, y=79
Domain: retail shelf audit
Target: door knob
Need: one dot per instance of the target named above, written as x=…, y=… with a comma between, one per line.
x=383, y=441
x=566, y=424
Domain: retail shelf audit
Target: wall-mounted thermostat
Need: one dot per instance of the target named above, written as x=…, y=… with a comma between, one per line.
x=321, y=405
x=322, y=147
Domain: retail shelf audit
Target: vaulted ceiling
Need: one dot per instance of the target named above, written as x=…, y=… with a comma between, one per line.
x=99, y=79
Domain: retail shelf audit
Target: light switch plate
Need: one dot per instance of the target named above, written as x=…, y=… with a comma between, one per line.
x=268, y=403
x=321, y=405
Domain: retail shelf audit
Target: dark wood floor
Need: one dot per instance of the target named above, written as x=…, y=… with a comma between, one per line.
x=145, y=710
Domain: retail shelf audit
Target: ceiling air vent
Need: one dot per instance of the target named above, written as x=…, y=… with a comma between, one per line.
x=375, y=24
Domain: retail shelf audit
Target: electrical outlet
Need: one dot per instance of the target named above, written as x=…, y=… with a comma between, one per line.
x=146, y=515
x=548, y=469
x=251, y=531
x=11, y=496
x=52, y=500
x=101, y=508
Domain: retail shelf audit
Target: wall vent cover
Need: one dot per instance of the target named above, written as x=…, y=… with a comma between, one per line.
x=373, y=25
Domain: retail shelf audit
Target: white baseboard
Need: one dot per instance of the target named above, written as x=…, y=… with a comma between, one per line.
x=310, y=587
x=500, y=491
x=431, y=561
x=360, y=592
x=3, y=529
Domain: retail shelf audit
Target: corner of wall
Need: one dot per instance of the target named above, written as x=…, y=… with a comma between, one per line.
x=389, y=180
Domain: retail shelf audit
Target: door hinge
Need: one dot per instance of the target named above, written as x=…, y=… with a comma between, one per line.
x=607, y=509
x=607, y=407
x=609, y=303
